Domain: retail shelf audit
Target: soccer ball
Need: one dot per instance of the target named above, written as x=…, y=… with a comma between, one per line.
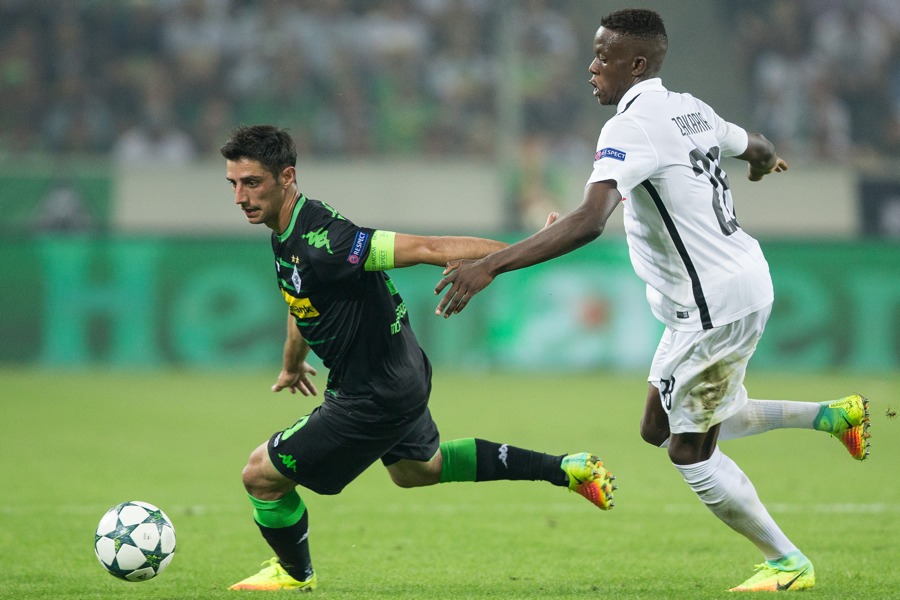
x=135, y=541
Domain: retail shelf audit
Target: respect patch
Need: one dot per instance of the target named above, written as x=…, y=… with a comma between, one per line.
x=610, y=153
x=359, y=244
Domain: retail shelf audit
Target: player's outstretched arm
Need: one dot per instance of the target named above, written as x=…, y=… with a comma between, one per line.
x=582, y=225
x=295, y=371
x=761, y=157
x=410, y=250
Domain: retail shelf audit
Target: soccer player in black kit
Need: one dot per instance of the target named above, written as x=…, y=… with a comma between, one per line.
x=344, y=307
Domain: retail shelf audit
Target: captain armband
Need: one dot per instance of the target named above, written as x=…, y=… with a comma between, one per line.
x=381, y=251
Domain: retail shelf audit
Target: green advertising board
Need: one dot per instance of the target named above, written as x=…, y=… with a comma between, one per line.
x=73, y=198
x=80, y=300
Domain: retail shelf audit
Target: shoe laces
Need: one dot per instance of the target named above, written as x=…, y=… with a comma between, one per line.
x=272, y=562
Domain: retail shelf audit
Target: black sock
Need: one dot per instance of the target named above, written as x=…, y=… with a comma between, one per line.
x=502, y=461
x=291, y=546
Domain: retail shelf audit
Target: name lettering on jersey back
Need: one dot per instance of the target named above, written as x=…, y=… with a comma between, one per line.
x=691, y=124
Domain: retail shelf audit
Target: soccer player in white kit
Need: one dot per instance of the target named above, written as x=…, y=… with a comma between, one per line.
x=707, y=281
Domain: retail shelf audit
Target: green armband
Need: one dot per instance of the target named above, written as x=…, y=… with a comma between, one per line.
x=381, y=251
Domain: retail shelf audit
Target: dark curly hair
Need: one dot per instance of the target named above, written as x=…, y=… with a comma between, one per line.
x=272, y=147
x=638, y=22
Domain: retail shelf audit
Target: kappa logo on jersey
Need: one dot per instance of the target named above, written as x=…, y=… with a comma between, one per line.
x=301, y=308
x=318, y=238
x=610, y=153
x=295, y=279
x=359, y=245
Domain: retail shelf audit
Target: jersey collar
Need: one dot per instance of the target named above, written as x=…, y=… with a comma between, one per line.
x=649, y=85
x=301, y=200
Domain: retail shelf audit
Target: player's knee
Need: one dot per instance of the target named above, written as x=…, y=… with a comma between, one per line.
x=252, y=476
x=249, y=478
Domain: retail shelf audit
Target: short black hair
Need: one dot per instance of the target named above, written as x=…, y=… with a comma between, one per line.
x=638, y=22
x=272, y=147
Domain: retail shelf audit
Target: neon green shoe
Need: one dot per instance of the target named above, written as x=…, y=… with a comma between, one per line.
x=847, y=419
x=273, y=578
x=794, y=572
x=588, y=477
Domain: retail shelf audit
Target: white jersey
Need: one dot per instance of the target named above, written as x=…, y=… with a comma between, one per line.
x=663, y=149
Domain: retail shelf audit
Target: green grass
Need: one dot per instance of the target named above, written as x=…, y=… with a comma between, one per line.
x=75, y=443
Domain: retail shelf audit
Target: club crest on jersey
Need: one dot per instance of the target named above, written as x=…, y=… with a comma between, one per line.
x=295, y=279
x=356, y=250
x=610, y=153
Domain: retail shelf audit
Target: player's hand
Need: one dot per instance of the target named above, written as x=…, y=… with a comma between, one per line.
x=754, y=174
x=297, y=381
x=465, y=278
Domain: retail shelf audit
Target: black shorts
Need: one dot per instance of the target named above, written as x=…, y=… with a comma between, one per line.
x=339, y=439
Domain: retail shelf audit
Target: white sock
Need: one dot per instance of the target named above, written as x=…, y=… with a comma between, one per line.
x=723, y=487
x=759, y=416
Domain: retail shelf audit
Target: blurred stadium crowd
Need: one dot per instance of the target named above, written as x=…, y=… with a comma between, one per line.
x=164, y=80
x=825, y=74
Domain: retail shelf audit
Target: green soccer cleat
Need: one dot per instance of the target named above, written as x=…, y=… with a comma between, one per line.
x=847, y=419
x=792, y=573
x=588, y=477
x=273, y=578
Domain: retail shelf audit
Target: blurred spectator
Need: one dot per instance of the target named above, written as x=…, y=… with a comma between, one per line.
x=63, y=209
x=154, y=139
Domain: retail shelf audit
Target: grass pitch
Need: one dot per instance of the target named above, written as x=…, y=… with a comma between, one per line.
x=74, y=444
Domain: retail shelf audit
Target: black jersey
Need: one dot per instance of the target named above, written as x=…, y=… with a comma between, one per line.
x=353, y=319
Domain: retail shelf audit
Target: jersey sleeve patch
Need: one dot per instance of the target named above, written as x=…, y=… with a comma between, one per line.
x=610, y=153
x=359, y=245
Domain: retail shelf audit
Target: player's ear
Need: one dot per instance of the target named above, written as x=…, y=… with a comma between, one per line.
x=638, y=66
x=288, y=176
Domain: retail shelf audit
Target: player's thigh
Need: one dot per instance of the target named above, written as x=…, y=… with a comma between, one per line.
x=701, y=374
x=327, y=449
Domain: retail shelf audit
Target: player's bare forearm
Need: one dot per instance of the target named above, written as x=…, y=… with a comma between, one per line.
x=410, y=250
x=761, y=157
x=570, y=232
x=295, y=371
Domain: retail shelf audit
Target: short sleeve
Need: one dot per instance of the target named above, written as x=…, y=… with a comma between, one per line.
x=732, y=138
x=624, y=154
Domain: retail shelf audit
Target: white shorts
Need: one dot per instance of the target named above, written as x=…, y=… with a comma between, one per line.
x=700, y=374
